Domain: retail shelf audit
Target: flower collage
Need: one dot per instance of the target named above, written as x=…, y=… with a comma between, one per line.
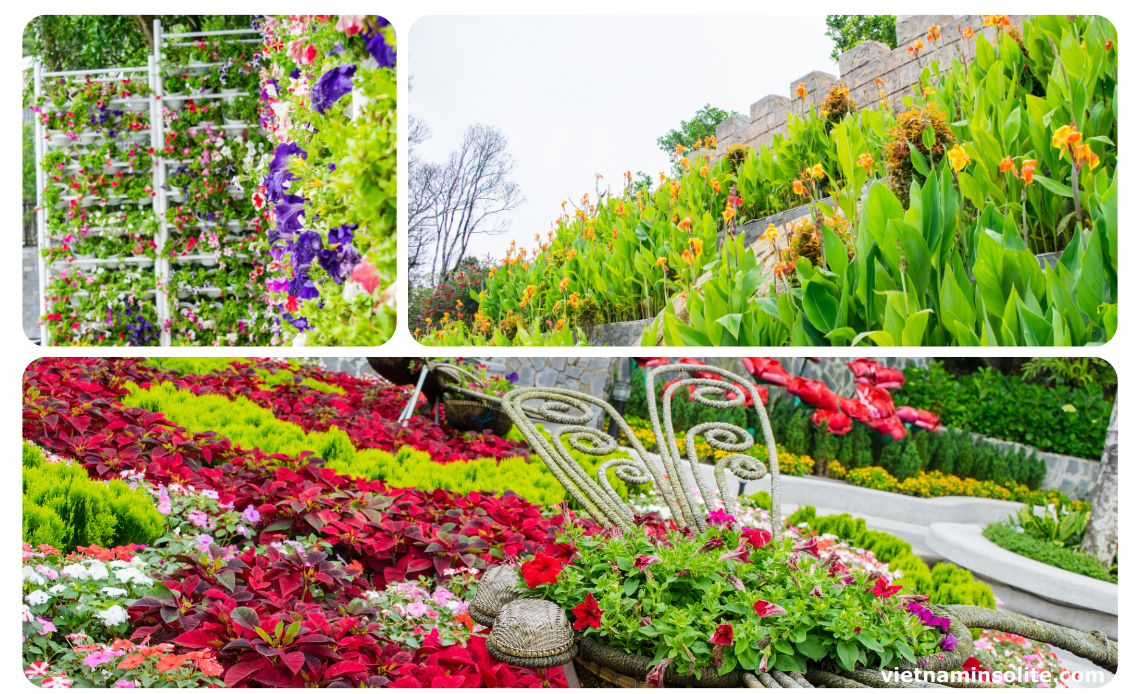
x=258, y=449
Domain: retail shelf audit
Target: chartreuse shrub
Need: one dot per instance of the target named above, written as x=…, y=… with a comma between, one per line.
x=252, y=426
x=946, y=584
x=65, y=508
x=1008, y=537
x=207, y=365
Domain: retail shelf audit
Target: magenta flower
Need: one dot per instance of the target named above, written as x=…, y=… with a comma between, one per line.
x=645, y=560
x=948, y=642
x=767, y=609
x=720, y=517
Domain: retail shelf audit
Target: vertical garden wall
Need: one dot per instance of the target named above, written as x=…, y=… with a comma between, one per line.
x=237, y=190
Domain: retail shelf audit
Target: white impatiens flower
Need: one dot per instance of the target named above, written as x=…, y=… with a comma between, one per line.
x=37, y=598
x=114, y=592
x=113, y=616
x=133, y=576
x=31, y=576
x=98, y=570
x=58, y=588
x=77, y=571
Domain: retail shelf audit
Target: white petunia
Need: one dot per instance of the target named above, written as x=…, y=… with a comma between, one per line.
x=113, y=615
x=133, y=576
x=98, y=570
x=37, y=597
x=58, y=588
x=114, y=592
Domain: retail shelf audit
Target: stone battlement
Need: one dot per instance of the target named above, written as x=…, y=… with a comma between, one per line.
x=859, y=68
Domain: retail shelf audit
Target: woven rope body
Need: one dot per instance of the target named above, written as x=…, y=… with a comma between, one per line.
x=495, y=590
x=529, y=631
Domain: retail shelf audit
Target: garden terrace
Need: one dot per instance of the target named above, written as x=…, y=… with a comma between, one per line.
x=996, y=163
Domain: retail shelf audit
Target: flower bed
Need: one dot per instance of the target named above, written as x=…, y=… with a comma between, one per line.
x=1014, y=539
x=951, y=258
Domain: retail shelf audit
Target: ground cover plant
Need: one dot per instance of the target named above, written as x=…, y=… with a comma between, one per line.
x=1052, y=537
x=991, y=163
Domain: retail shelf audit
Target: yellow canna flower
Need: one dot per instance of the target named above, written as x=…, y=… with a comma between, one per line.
x=1064, y=136
x=865, y=160
x=704, y=171
x=716, y=185
x=817, y=171
x=571, y=253
x=660, y=262
x=958, y=158
x=728, y=213
x=769, y=233
x=1083, y=154
x=428, y=320
x=561, y=322
x=684, y=163
x=663, y=177
x=562, y=285
x=697, y=246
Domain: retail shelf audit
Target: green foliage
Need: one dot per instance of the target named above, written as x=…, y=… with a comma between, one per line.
x=1075, y=372
x=849, y=30
x=1059, y=419
x=250, y=425
x=1007, y=537
x=66, y=509
x=762, y=500
x=1059, y=526
x=946, y=585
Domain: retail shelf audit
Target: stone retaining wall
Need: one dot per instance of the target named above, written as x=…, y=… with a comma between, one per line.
x=1076, y=477
x=859, y=68
x=590, y=375
x=623, y=334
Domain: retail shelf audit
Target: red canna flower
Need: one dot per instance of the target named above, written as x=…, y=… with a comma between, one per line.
x=589, y=615
x=813, y=393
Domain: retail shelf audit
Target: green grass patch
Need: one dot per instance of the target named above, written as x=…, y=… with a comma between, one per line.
x=1006, y=536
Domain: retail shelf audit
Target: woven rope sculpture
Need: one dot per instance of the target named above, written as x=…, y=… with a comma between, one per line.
x=495, y=590
x=677, y=474
x=532, y=633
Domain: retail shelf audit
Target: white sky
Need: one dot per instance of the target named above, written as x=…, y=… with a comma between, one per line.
x=578, y=96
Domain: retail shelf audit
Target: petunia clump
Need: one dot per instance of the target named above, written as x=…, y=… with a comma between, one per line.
x=731, y=597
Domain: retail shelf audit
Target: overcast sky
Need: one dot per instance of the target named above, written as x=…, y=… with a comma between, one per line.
x=579, y=96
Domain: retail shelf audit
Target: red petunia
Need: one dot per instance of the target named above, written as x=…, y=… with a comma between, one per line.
x=764, y=608
x=589, y=615
x=723, y=635
x=542, y=569
x=756, y=538
x=883, y=588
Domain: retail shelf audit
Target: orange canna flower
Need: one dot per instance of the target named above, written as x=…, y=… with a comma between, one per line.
x=798, y=187
x=680, y=148
x=879, y=81
x=801, y=91
x=697, y=245
x=865, y=160
x=704, y=171
x=571, y=253
x=562, y=285
x=716, y=185
x=561, y=322
x=1027, y=168
x=684, y=163
x=958, y=158
x=934, y=33
x=1006, y=165
x=615, y=232
x=574, y=300
x=968, y=33
x=882, y=95
x=686, y=223
x=557, y=305
x=661, y=262
x=675, y=188
x=769, y=233
x=1108, y=45
x=1083, y=154
x=817, y=171
x=686, y=256
x=728, y=213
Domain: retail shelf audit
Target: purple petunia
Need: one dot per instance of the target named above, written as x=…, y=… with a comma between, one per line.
x=377, y=46
x=290, y=213
x=948, y=642
x=331, y=86
x=513, y=377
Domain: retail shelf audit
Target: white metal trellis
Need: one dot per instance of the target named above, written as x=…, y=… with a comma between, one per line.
x=159, y=163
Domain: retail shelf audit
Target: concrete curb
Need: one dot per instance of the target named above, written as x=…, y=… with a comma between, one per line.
x=963, y=544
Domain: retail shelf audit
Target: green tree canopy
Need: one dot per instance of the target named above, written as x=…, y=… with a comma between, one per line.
x=700, y=126
x=849, y=30
x=93, y=41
